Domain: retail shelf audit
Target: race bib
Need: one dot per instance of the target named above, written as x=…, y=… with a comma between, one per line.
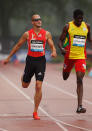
x=37, y=45
x=79, y=40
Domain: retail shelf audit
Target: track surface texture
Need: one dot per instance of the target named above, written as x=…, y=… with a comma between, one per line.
x=58, y=106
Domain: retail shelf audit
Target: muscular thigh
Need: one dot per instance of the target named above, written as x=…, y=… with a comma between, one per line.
x=29, y=70
x=68, y=65
x=80, y=65
x=40, y=69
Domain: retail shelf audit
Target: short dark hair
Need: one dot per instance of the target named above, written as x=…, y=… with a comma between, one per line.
x=77, y=12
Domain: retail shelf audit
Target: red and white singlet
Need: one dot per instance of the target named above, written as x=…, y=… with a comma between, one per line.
x=36, y=43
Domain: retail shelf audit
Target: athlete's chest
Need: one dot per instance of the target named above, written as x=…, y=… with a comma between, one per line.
x=81, y=31
x=78, y=35
x=37, y=41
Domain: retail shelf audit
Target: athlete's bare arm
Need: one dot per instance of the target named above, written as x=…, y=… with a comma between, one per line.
x=22, y=40
x=62, y=38
x=51, y=44
x=89, y=37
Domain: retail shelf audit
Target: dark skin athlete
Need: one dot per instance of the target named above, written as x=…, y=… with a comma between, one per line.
x=79, y=75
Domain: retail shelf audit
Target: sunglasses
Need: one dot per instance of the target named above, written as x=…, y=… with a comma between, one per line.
x=37, y=19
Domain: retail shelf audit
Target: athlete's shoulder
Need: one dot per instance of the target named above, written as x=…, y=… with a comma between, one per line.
x=70, y=22
x=88, y=26
x=48, y=33
x=30, y=30
x=26, y=35
x=66, y=27
x=43, y=30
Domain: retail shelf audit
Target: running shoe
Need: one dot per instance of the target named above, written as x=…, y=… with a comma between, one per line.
x=35, y=116
x=80, y=109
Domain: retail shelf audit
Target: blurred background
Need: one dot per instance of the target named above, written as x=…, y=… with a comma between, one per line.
x=15, y=19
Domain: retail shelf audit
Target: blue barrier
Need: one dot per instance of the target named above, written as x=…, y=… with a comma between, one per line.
x=90, y=72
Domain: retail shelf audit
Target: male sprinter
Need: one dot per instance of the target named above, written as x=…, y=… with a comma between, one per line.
x=75, y=34
x=35, y=61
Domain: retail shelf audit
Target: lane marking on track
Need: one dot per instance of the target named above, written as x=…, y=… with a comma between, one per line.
x=2, y=129
x=28, y=98
x=23, y=119
x=26, y=115
x=47, y=114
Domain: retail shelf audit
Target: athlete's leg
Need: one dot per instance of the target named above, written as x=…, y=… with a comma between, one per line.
x=37, y=98
x=67, y=67
x=38, y=95
x=39, y=75
x=80, y=76
x=28, y=72
x=24, y=84
x=80, y=67
x=65, y=75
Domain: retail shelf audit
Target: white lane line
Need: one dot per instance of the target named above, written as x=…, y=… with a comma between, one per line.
x=17, y=118
x=65, y=92
x=28, y=98
x=2, y=129
x=51, y=117
x=28, y=114
x=78, y=127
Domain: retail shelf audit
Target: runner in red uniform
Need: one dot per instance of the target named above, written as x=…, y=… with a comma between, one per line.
x=35, y=61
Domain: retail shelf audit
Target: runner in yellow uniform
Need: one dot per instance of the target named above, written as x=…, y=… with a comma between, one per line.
x=75, y=34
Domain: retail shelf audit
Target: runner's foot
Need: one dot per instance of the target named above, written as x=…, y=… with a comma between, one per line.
x=35, y=116
x=80, y=109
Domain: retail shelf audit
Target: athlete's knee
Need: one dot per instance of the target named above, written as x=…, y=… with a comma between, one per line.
x=25, y=85
x=79, y=80
x=38, y=86
x=25, y=81
x=65, y=78
x=65, y=75
x=80, y=76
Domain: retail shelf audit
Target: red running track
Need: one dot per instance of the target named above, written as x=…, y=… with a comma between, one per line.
x=58, y=106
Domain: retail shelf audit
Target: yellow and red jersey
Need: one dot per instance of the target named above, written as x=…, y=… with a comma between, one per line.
x=36, y=43
x=75, y=42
